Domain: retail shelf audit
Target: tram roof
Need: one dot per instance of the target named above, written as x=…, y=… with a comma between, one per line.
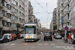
x=30, y=24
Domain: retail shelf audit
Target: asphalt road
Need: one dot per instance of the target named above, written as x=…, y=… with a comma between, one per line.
x=20, y=44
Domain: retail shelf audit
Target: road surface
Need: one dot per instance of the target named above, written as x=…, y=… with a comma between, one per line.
x=20, y=44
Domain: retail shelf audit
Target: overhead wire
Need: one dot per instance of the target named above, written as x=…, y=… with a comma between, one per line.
x=41, y=7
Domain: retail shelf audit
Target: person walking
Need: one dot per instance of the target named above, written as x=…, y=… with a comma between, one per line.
x=66, y=37
x=72, y=37
x=19, y=35
x=69, y=39
x=12, y=37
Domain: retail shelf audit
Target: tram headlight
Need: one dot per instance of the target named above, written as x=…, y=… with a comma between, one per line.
x=26, y=37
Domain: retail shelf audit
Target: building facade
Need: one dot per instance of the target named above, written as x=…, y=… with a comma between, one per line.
x=66, y=9
x=26, y=10
x=30, y=12
x=53, y=25
x=55, y=19
x=12, y=16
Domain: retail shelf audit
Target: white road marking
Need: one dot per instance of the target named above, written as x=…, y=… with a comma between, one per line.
x=53, y=44
x=12, y=44
x=39, y=44
x=39, y=40
x=6, y=44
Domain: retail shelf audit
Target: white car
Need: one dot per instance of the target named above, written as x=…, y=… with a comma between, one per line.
x=5, y=38
x=58, y=36
x=22, y=35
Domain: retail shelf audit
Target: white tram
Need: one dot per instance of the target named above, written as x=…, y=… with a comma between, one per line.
x=31, y=32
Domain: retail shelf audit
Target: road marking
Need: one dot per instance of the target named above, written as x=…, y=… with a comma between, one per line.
x=39, y=44
x=12, y=44
x=40, y=40
x=6, y=44
x=46, y=44
x=53, y=44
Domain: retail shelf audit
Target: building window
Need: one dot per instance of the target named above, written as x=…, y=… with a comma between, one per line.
x=4, y=23
x=16, y=18
x=16, y=3
x=8, y=24
x=68, y=23
x=4, y=13
x=8, y=6
x=5, y=3
x=8, y=15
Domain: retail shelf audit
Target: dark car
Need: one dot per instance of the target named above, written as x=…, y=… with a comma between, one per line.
x=47, y=37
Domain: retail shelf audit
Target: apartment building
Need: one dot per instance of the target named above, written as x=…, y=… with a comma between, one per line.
x=51, y=26
x=66, y=8
x=58, y=15
x=26, y=11
x=30, y=12
x=12, y=15
x=55, y=19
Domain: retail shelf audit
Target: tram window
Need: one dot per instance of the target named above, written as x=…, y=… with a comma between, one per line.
x=30, y=30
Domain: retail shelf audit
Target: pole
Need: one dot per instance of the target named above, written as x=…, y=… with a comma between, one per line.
x=62, y=28
x=65, y=34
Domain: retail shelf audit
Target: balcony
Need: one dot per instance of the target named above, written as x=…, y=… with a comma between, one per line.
x=8, y=11
x=20, y=29
x=13, y=3
x=1, y=24
x=5, y=18
x=8, y=20
x=1, y=15
x=13, y=28
x=1, y=6
x=6, y=28
x=66, y=20
x=13, y=13
x=8, y=2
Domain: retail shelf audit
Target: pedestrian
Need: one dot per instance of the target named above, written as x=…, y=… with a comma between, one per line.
x=19, y=35
x=72, y=37
x=69, y=38
x=63, y=36
x=12, y=37
x=66, y=37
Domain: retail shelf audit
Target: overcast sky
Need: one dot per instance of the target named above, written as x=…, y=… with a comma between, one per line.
x=41, y=14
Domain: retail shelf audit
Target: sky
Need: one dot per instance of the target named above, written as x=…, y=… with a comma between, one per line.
x=41, y=14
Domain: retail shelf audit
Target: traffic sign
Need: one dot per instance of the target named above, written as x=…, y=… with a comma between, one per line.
x=66, y=28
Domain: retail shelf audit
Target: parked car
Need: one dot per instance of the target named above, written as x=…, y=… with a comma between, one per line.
x=58, y=36
x=54, y=35
x=47, y=37
x=6, y=38
x=22, y=36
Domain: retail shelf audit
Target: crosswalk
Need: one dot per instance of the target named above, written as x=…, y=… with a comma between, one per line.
x=45, y=44
x=8, y=44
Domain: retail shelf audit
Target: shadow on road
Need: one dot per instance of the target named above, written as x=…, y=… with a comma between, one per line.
x=30, y=41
